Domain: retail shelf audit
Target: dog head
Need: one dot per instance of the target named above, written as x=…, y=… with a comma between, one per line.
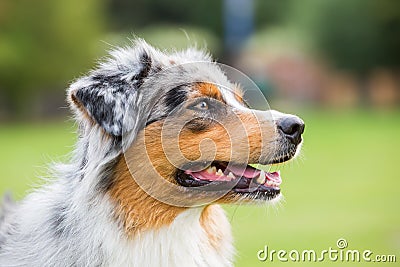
x=186, y=133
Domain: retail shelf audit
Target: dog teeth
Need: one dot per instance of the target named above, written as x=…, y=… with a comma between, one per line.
x=271, y=184
x=261, y=178
x=230, y=175
x=219, y=172
x=212, y=169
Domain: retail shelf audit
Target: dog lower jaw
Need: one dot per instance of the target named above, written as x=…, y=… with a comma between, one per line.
x=241, y=182
x=216, y=176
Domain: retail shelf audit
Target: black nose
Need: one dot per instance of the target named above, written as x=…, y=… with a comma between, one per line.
x=292, y=127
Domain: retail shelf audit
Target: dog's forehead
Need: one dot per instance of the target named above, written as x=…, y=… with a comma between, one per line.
x=229, y=95
x=208, y=89
x=206, y=78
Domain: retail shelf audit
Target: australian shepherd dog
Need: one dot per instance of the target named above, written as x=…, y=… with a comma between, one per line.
x=163, y=140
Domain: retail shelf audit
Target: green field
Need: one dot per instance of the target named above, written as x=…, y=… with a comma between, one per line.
x=346, y=185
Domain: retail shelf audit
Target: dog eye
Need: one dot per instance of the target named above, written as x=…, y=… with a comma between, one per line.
x=203, y=105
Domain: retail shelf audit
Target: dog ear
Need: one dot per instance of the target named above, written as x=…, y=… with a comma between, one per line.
x=105, y=94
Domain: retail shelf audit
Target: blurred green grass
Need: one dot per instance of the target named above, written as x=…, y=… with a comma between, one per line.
x=28, y=149
x=344, y=185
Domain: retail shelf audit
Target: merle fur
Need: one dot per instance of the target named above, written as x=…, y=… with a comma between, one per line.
x=71, y=221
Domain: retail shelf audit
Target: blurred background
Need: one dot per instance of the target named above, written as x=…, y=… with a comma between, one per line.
x=335, y=63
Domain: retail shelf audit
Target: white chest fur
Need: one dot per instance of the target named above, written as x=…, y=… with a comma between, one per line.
x=183, y=243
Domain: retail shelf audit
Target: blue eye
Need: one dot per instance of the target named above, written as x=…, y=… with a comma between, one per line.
x=203, y=105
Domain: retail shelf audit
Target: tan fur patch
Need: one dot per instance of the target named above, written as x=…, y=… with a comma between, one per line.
x=209, y=89
x=216, y=226
x=243, y=135
x=135, y=208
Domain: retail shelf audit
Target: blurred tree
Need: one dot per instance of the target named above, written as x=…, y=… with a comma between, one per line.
x=271, y=12
x=356, y=35
x=44, y=44
x=206, y=14
x=141, y=13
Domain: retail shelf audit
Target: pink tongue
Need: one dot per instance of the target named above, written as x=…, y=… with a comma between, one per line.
x=274, y=177
x=243, y=171
x=204, y=175
x=238, y=171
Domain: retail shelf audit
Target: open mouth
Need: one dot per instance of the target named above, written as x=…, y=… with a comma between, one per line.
x=249, y=180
